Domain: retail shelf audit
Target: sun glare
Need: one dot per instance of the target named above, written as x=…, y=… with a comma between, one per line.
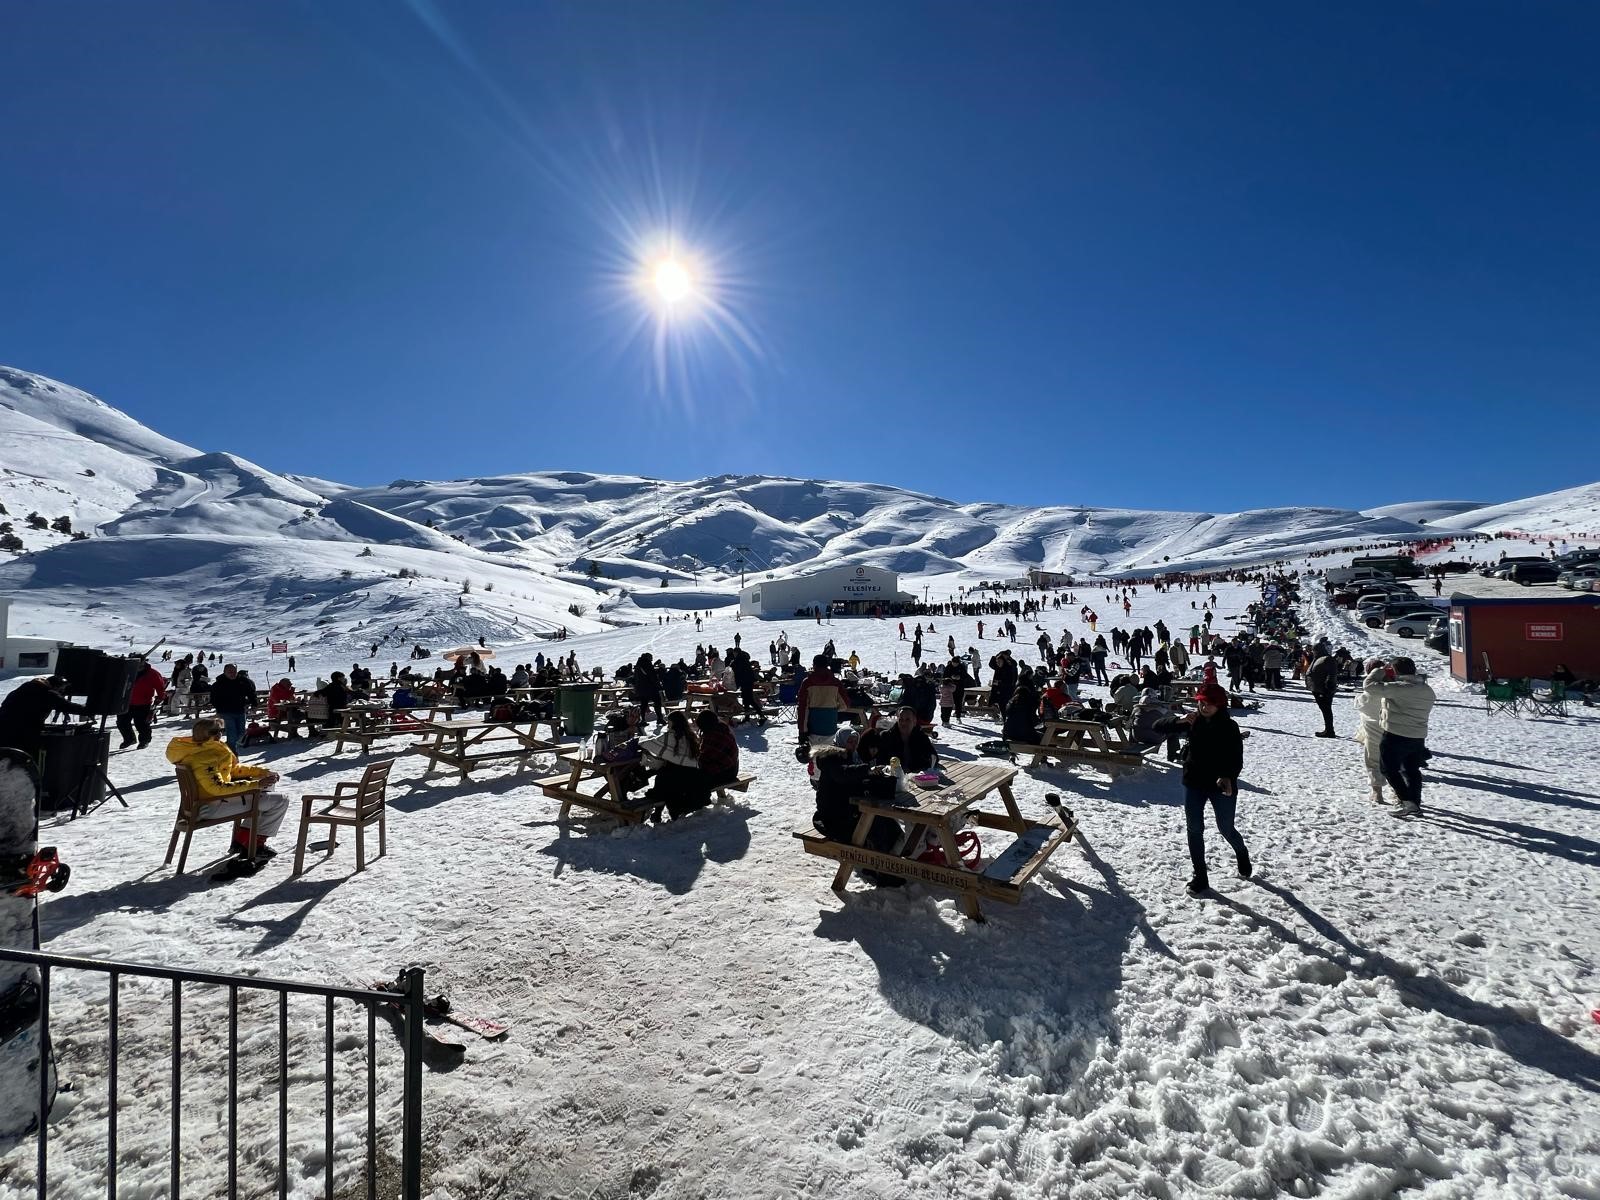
x=672, y=281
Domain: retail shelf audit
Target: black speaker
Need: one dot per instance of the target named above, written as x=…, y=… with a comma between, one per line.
x=109, y=685
x=78, y=664
x=68, y=756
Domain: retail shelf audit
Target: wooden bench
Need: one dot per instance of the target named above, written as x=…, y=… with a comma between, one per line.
x=939, y=809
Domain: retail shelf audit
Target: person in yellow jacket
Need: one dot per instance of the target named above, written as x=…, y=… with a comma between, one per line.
x=223, y=779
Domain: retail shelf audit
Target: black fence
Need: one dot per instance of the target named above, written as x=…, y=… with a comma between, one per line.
x=405, y=1008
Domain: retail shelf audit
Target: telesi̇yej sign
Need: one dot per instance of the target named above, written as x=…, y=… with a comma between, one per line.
x=1542, y=631
x=860, y=583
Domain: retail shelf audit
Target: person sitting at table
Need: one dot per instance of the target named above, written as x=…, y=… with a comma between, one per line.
x=498, y=684
x=719, y=753
x=473, y=690
x=909, y=742
x=337, y=693
x=403, y=697
x=678, y=785
x=675, y=682
x=520, y=677
x=1155, y=721
x=838, y=783
x=1022, y=716
x=282, y=706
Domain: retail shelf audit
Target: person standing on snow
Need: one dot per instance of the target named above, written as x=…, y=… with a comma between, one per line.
x=1369, y=731
x=1211, y=776
x=1323, y=679
x=149, y=688
x=1407, y=700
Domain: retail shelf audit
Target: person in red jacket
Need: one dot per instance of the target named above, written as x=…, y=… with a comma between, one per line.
x=282, y=706
x=149, y=689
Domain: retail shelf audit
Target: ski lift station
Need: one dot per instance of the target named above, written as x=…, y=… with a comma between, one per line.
x=847, y=590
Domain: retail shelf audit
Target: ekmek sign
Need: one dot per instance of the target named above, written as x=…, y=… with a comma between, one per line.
x=1542, y=631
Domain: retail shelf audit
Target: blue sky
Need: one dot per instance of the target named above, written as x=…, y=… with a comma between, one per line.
x=1168, y=255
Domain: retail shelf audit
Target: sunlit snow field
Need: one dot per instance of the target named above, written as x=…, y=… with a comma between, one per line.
x=1387, y=1008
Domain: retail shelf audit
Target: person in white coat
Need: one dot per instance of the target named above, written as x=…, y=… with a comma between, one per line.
x=1407, y=701
x=1369, y=731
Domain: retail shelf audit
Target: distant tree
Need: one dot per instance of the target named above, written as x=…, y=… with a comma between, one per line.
x=62, y=524
x=576, y=610
x=88, y=472
x=10, y=541
x=366, y=552
x=35, y=521
x=80, y=536
x=594, y=569
x=663, y=581
x=466, y=587
x=5, y=527
x=489, y=587
x=347, y=573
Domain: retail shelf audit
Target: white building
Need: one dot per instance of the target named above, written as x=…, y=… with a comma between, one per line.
x=841, y=589
x=23, y=654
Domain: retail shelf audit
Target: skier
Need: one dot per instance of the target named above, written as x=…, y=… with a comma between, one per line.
x=149, y=688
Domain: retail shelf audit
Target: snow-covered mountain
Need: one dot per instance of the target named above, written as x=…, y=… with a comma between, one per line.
x=203, y=530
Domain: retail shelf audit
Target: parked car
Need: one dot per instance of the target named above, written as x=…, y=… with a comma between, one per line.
x=1376, y=618
x=1571, y=577
x=1497, y=570
x=1438, y=637
x=1411, y=625
x=1453, y=567
x=1530, y=573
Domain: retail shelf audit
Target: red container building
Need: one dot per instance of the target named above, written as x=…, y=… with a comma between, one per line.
x=1524, y=638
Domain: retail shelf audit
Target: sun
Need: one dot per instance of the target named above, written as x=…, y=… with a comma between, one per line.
x=672, y=281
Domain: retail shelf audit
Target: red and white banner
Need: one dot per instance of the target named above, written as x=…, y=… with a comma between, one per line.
x=280, y=647
x=1543, y=631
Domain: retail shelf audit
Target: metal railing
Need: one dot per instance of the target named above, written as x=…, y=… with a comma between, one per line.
x=409, y=1005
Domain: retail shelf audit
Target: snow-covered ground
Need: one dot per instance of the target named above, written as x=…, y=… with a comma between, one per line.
x=1387, y=1009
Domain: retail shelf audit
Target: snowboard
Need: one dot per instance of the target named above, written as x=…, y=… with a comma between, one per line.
x=25, y=871
x=438, y=1009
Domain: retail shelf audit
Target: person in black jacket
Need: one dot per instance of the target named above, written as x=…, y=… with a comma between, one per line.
x=838, y=784
x=906, y=741
x=232, y=695
x=23, y=712
x=1211, y=774
x=1322, y=677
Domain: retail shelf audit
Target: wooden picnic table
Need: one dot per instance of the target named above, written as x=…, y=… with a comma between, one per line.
x=940, y=809
x=1083, y=740
x=363, y=724
x=612, y=799
x=467, y=745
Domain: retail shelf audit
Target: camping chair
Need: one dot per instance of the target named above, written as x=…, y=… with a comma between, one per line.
x=788, y=701
x=1499, y=696
x=1523, y=690
x=192, y=802
x=1552, y=703
x=354, y=804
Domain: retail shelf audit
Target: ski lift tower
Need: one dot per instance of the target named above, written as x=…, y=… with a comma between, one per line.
x=745, y=559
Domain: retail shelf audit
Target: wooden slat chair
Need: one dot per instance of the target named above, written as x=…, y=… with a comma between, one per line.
x=353, y=804
x=191, y=801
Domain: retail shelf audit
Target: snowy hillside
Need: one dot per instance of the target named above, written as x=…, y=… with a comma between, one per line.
x=548, y=549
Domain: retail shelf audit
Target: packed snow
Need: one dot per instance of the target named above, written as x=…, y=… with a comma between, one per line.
x=1386, y=1008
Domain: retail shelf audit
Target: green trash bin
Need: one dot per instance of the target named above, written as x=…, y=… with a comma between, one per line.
x=577, y=708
